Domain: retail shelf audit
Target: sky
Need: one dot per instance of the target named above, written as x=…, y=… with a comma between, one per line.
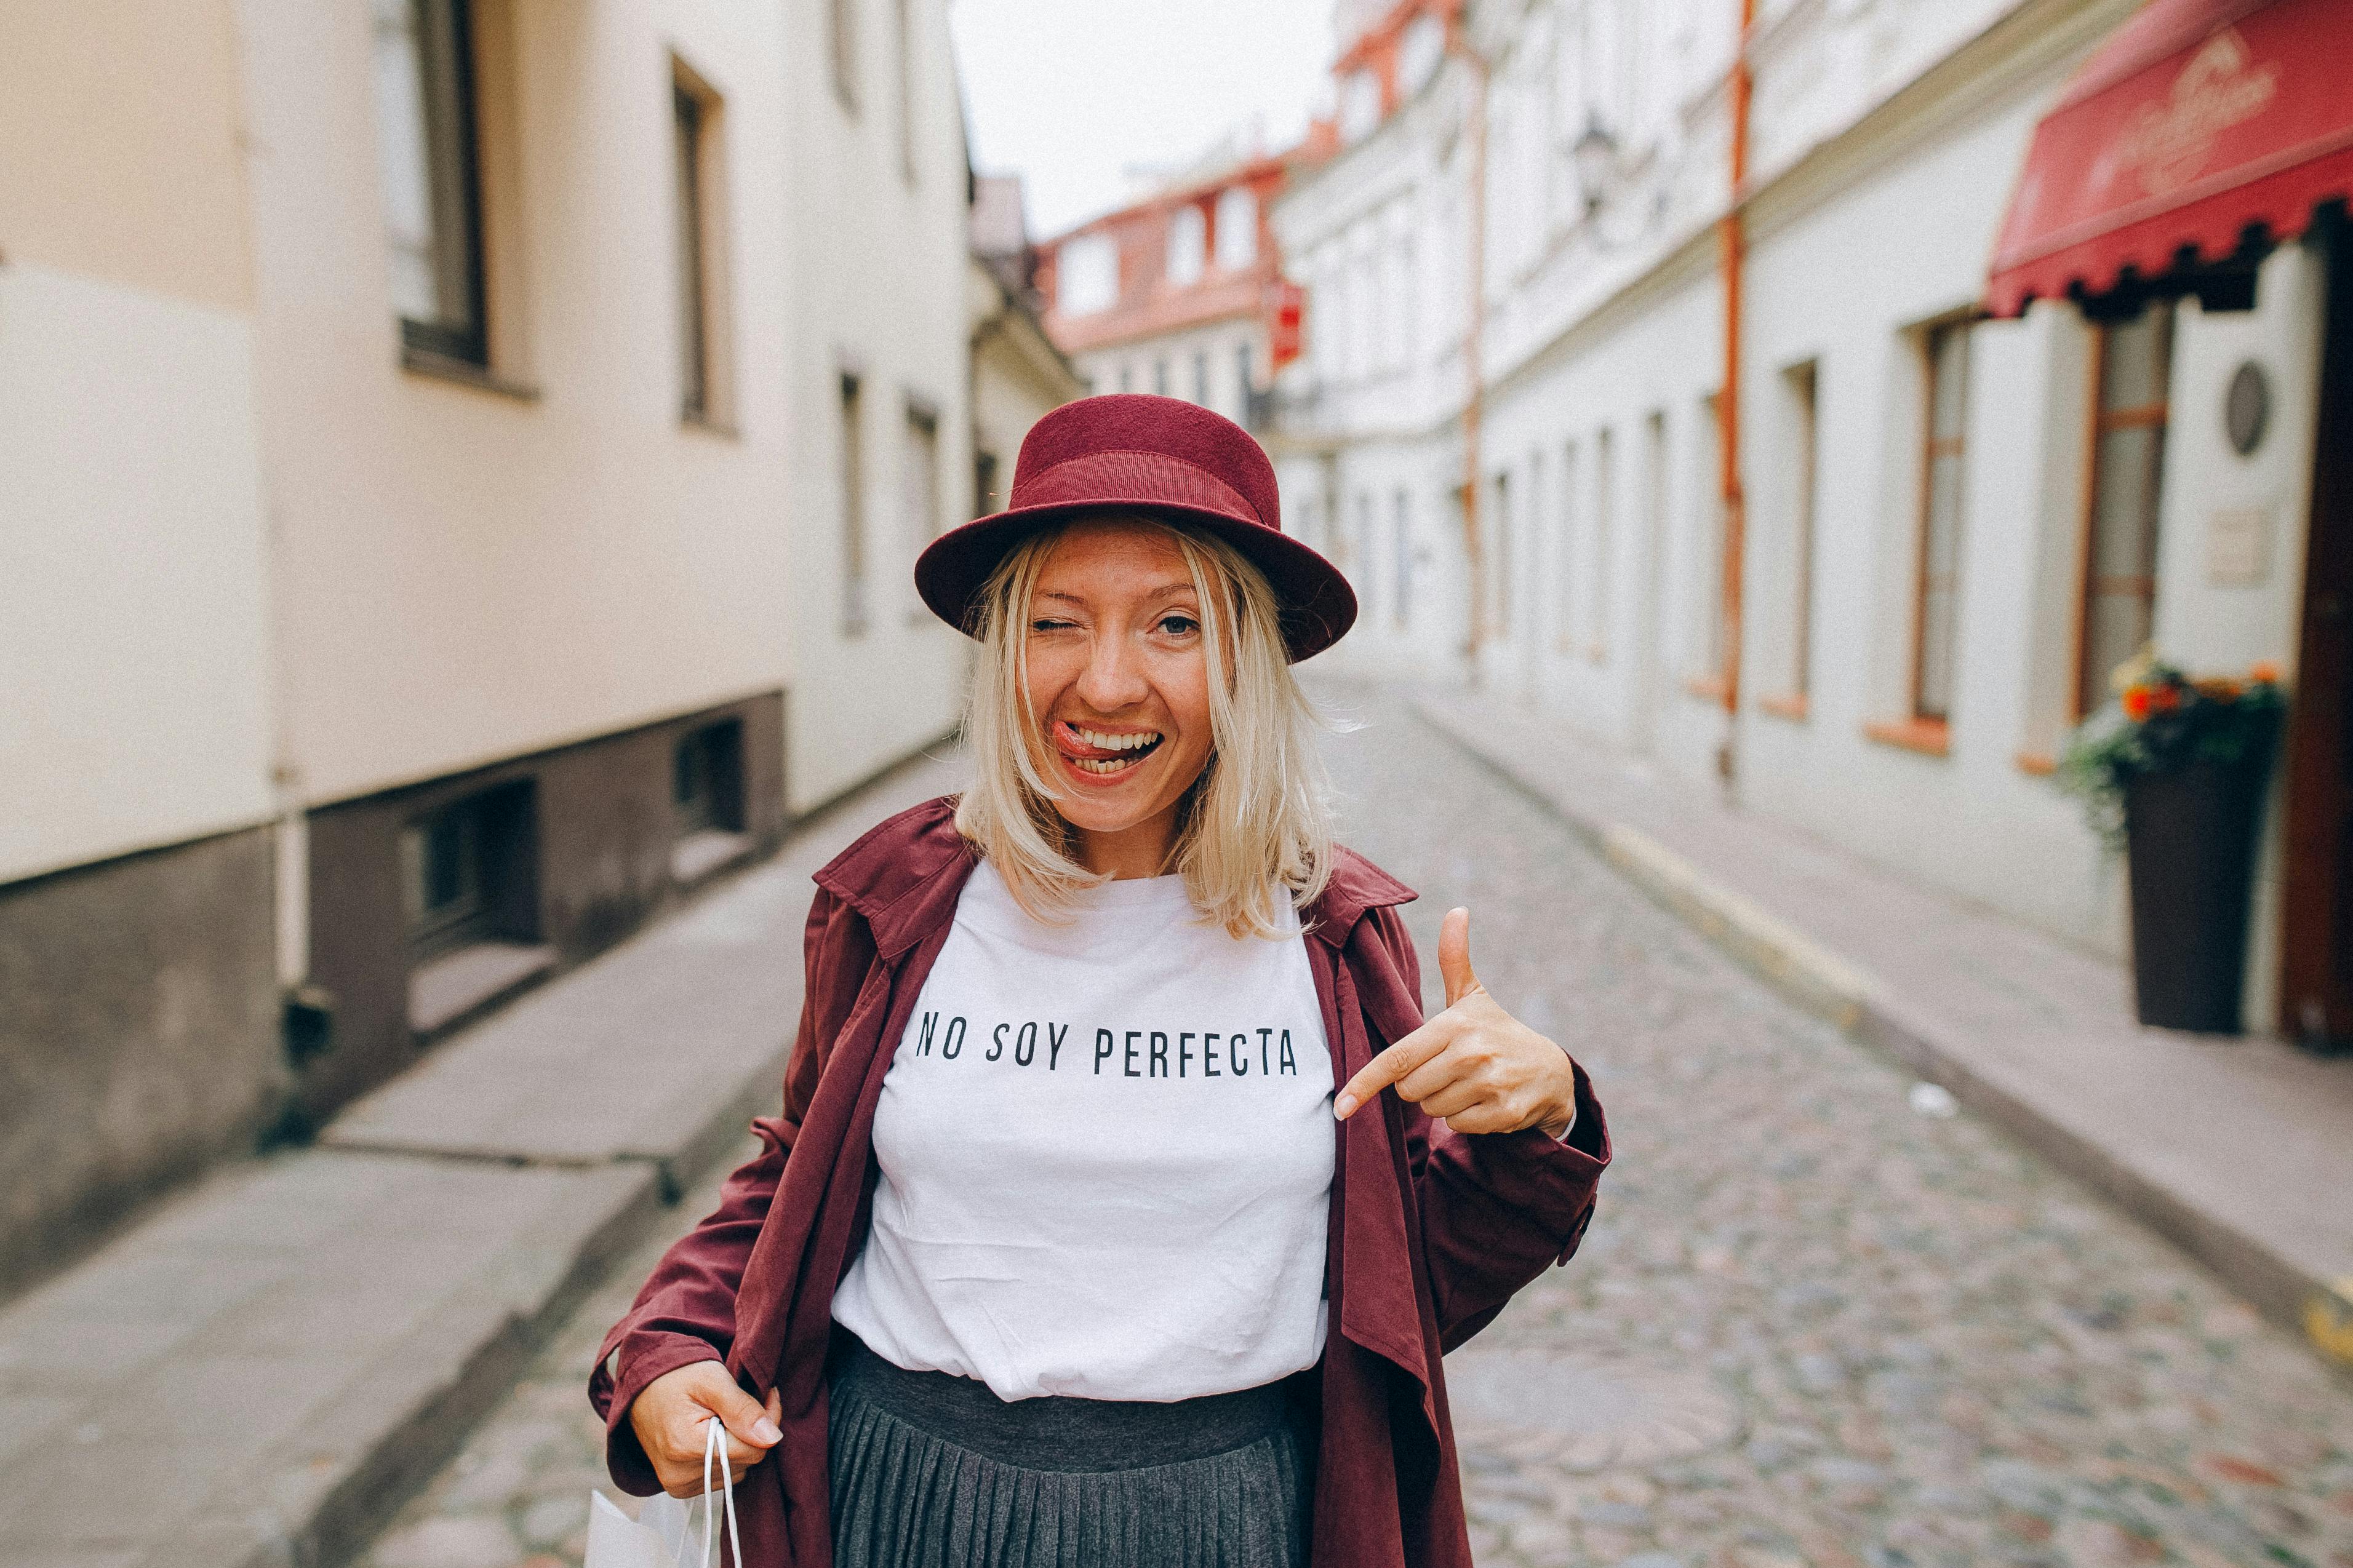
x=1073, y=95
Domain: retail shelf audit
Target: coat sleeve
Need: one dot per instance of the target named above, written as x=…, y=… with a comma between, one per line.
x=686, y=1310
x=1496, y=1209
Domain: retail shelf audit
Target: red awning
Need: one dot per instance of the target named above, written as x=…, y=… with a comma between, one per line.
x=2199, y=119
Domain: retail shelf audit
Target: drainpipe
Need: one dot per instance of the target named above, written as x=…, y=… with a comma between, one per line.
x=1474, y=551
x=1727, y=400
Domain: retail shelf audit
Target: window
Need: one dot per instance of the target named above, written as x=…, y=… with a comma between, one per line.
x=1160, y=377
x=1499, y=562
x=706, y=788
x=1707, y=641
x=919, y=482
x=1419, y=52
x=1935, y=624
x=2132, y=361
x=1401, y=536
x=1201, y=377
x=853, y=508
x=706, y=796
x=983, y=482
x=1236, y=226
x=904, y=60
x=700, y=175
x=1605, y=498
x=1565, y=590
x=465, y=871
x=694, y=356
x=1187, y=241
x=1360, y=105
x=1086, y=275
x=431, y=176
x=842, y=24
x=1798, y=385
x=1366, y=552
x=1242, y=387
x=1126, y=376
x=1532, y=500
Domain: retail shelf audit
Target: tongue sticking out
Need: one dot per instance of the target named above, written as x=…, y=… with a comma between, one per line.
x=1071, y=744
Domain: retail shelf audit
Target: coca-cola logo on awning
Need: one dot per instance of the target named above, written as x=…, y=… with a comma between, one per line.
x=2165, y=145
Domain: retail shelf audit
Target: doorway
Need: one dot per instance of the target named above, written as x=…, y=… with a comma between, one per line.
x=2316, y=959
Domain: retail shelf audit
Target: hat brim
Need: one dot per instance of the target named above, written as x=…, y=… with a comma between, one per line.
x=1317, y=607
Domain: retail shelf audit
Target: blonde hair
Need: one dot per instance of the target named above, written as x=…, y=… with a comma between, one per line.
x=1256, y=825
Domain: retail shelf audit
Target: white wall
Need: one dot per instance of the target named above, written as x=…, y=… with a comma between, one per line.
x=134, y=652
x=878, y=286
x=461, y=575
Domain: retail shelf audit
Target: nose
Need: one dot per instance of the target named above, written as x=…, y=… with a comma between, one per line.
x=1114, y=678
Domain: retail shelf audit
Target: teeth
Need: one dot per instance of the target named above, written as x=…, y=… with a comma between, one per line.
x=1108, y=742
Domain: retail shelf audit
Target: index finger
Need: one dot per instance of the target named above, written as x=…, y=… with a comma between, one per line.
x=1391, y=1066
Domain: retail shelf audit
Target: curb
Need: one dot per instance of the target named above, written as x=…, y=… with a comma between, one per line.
x=318, y=1496
x=1825, y=985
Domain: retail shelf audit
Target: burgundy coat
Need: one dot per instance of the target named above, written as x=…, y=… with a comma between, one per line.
x=1432, y=1230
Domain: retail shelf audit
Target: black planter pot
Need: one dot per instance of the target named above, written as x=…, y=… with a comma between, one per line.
x=2190, y=850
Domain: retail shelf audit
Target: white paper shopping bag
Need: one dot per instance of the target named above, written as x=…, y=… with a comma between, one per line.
x=658, y=1537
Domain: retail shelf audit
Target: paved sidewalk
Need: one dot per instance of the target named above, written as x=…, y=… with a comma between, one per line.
x=2239, y=1151
x=260, y=1372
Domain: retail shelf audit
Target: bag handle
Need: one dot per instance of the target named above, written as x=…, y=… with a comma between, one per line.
x=714, y=1445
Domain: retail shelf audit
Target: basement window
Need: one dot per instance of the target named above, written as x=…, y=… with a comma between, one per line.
x=469, y=888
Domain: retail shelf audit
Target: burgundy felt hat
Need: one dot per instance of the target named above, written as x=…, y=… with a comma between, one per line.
x=1161, y=457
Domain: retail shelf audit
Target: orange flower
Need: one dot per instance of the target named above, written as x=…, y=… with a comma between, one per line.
x=2135, y=700
x=2263, y=672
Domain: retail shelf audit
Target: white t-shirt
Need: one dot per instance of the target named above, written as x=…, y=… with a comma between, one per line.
x=1106, y=1155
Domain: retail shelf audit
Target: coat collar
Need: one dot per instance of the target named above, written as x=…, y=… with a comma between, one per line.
x=905, y=874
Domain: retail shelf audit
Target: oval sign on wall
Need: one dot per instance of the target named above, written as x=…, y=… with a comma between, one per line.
x=2247, y=408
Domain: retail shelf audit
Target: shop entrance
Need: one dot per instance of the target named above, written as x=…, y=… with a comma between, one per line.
x=2317, y=949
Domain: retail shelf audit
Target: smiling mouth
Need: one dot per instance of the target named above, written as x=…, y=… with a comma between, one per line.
x=1102, y=753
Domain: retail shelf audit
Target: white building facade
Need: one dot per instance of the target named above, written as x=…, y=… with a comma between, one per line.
x=1954, y=526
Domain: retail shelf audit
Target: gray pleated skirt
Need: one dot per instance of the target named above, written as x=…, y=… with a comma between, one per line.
x=930, y=1470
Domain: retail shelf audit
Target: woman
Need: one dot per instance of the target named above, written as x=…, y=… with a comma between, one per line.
x=1065, y=1248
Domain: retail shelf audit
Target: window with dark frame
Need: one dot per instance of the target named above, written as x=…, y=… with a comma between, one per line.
x=983, y=482
x=464, y=864
x=2131, y=364
x=1160, y=377
x=431, y=176
x=1201, y=377
x=707, y=779
x=853, y=508
x=919, y=476
x=1936, y=593
x=1243, y=388
x=693, y=305
x=1801, y=380
x=843, y=25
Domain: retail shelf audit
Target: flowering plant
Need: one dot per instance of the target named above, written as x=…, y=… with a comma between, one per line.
x=2161, y=722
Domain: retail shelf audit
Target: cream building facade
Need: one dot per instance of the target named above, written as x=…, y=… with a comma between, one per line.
x=430, y=519
x=1924, y=488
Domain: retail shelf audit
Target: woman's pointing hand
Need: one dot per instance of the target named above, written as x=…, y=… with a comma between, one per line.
x=1474, y=1066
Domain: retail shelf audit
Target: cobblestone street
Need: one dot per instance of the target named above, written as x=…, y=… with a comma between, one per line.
x=1819, y=1320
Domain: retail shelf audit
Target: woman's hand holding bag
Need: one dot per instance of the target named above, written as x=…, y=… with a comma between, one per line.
x=1474, y=1066
x=674, y=1415
x=657, y=1538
